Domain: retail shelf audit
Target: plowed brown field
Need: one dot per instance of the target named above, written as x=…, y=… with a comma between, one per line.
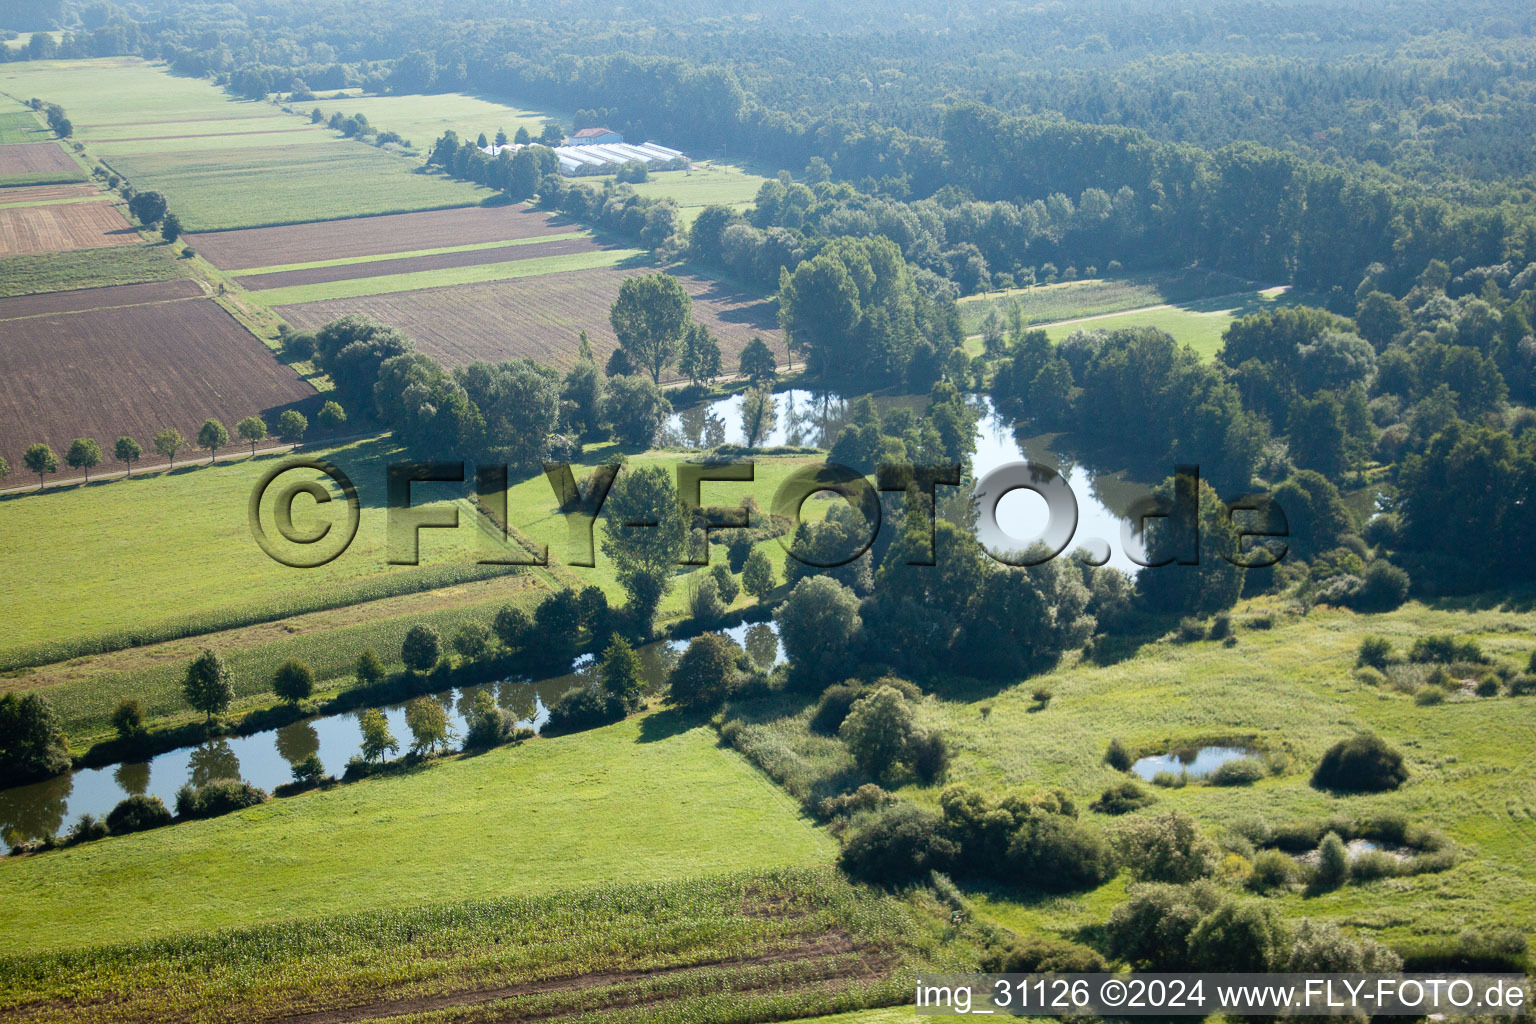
x=96, y=298
x=412, y=264
x=43, y=193
x=541, y=317
x=60, y=228
x=133, y=370
x=27, y=158
x=371, y=236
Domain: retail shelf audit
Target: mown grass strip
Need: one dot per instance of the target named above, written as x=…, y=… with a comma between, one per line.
x=392, y=283
x=384, y=257
x=33, y=273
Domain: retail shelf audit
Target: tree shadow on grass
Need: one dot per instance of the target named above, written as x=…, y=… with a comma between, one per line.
x=663, y=725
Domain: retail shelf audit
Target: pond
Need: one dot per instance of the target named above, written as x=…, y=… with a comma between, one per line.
x=1194, y=764
x=816, y=418
x=266, y=758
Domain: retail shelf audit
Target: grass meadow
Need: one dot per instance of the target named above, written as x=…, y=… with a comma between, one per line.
x=188, y=139
x=765, y=945
x=1198, y=324
x=1067, y=300
x=1287, y=690
x=644, y=800
x=423, y=119
x=170, y=553
x=86, y=268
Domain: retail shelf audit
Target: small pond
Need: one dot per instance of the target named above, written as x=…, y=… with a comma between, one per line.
x=1194, y=764
x=266, y=758
x=816, y=418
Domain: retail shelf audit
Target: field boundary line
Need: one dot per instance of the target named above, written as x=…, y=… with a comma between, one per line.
x=103, y=309
x=385, y=257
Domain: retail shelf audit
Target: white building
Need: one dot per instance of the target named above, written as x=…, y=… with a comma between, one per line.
x=606, y=157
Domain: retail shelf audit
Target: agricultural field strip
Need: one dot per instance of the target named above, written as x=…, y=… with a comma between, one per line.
x=64, y=201
x=201, y=135
x=431, y=279
x=87, y=300
x=409, y=254
x=290, y=246
x=539, y=248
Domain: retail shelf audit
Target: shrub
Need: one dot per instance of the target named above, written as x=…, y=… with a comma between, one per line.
x=1037, y=955
x=583, y=707
x=1191, y=629
x=878, y=731
x=1492, y=950
x=1445, y=649
x=1523, y=684
x=704, y=675
x=88, y=829
x=1242, y=772
x=472, y=640
x=32, y=743
x=726, y=583
x=1221, y=626
x=422, y=649
x=1240, y=937
x=221, y=796
x=1271, y=870
x=1057, y=853
x=704, y=601
x=1383, y=588
x=486, y=724
x=867, y=797
x=1042, y=695
x=1375, y=652
x=1118, y=757
x=1372, y=865
x=901, y=844
x=1430, y=695
x=929, y=756
x=819, y=624
x=1170, y=780
x=1365, y=675
x=1488, y=686
x=1151, y=929
x=309, y=771
x=293, y=682
x=512, y=627
x=369, y=670
x=1325, y=949
x=138, y=813
x=128, y=719
x=1360, y=764
x=1122, y=799
x=1332, y=863
x=833, y=707
x=1167, y=848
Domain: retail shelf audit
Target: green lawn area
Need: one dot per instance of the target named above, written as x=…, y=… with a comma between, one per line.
x=170, y=553
x=19, y=125
x=386, y=283
x=86, y=268
x=1288, y=690
x=423, y=119
x=226, y=180
x=277, y=183
x=1068, y=300
x=707, y=184
x=1198, y=324
x=643, y=800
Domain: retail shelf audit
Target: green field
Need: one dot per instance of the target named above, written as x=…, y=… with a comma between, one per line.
x=643, y=800
x=322, y=180
x=168, y=554
x=1069, y=300
x=18, y=126
x=1290, y=689
x=84, y=691
x=387, y=284
x=744, y=947
x=1198, y=324
x=86, y=268
x=226, y=180
x=423, y=119
x=707, y=184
